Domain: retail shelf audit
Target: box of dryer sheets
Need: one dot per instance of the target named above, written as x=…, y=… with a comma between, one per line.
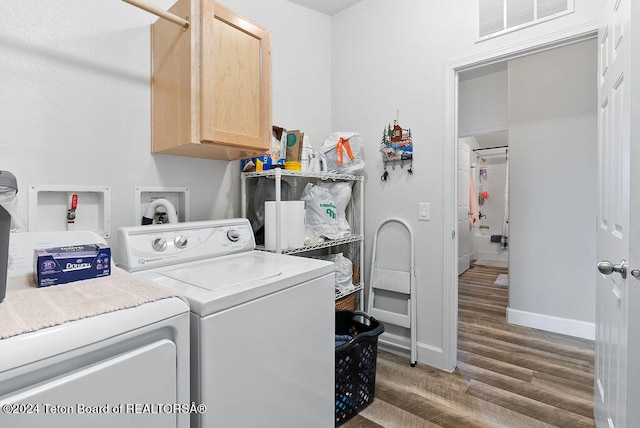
x=59, y=265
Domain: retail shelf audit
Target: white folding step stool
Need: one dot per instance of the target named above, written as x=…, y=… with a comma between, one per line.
x=402, y=282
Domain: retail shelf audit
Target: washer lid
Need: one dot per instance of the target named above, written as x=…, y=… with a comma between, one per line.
x=221, y=283
x=233, y=272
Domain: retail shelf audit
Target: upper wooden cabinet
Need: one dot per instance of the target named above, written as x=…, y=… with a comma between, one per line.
x=211, y=84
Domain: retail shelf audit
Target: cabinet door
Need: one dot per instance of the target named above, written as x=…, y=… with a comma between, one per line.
x=235, y=80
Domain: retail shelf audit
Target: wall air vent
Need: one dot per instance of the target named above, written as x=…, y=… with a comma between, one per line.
x=497, y=17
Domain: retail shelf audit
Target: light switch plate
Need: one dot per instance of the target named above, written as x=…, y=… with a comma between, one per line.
x=424, y=211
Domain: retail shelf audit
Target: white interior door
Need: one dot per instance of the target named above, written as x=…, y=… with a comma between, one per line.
x=612, y=292
x=464, y=232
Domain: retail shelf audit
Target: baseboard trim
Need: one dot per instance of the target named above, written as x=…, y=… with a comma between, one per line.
x=570, y=327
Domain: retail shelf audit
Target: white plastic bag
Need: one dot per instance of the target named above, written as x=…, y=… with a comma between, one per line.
x=341, y=192
x=343, y=151
x=321, y=212
x=344, y=271
x=9, y=201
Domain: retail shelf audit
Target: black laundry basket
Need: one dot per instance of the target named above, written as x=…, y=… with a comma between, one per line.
x=355, y=363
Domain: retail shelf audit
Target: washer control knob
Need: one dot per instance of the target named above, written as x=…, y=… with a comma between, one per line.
x=159, y=244
x=233, y=235
x=180, y=241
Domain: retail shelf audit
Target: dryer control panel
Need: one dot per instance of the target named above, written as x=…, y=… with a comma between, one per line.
x=159, y=245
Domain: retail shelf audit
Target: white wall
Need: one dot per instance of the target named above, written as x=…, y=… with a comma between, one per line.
x=483, y=103
x=388, y=58
x=75, y=99
x=552, y=152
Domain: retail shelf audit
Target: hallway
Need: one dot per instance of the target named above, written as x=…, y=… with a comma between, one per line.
x=507, y=376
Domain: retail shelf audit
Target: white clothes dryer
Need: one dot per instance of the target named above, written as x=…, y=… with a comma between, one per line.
x=262, y=324
x=123, y=368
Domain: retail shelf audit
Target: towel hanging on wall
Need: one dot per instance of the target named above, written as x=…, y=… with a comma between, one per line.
x=474, y=214
x=504, y=243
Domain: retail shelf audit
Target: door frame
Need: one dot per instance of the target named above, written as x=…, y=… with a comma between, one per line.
x=460, y=221
x=450, y=149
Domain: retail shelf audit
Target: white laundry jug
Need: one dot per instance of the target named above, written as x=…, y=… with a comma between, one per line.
x=311, y=160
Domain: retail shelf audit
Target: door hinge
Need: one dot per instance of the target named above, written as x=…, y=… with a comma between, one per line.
x=453, y=234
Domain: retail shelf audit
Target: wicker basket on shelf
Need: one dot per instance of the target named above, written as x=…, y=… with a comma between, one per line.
x=346, y=303
x=356, y=274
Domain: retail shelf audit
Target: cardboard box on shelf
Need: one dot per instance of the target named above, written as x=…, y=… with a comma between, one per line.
x=294, y=145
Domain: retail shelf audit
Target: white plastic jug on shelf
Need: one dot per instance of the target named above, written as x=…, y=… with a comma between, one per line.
x=312, y=161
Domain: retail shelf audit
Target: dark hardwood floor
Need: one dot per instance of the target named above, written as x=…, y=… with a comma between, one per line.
x=507, y=376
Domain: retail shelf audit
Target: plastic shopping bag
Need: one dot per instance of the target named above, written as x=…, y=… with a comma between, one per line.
x=321, y=212
x=343, y=151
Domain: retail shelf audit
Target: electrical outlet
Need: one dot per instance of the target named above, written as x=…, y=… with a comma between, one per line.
x=424, y=211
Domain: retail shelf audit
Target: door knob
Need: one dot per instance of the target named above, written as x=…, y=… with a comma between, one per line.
x=607, y=268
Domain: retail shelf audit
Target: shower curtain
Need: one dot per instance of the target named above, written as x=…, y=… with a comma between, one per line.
x=504, y=241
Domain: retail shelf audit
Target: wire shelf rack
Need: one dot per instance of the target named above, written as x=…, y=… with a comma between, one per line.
x=326, y=244
x=319, y=175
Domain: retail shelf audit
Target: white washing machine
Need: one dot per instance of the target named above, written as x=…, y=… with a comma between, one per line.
x=262, y=324
x=124, y=368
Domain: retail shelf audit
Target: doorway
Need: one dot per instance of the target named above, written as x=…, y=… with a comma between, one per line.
x=450, y=348
x=552, y=118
